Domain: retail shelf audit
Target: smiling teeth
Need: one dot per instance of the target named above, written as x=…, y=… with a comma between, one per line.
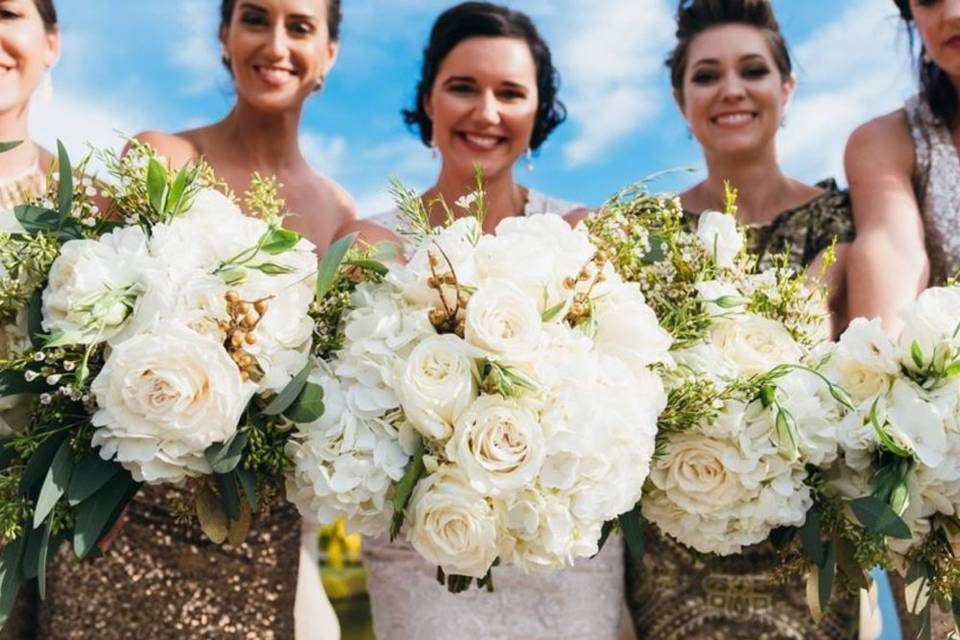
x=735, y=118
x=277, y=76
x=487, y=142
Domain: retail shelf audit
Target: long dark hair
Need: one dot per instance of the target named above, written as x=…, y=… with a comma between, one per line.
x=482, y=19
x=696, y=16
x=48, y=13
x=936, y=88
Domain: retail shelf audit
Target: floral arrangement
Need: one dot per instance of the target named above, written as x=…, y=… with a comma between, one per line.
x=492, y=401
x=162, y=338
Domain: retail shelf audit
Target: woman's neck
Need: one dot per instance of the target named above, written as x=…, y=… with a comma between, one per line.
x=25, y=156
x=268, y=143
x=503, y=197
x=762, y=189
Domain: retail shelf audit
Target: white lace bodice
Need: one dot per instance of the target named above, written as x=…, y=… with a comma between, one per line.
x=937, y=182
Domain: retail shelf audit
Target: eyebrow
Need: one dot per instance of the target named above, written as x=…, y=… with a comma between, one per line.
x=297, y=16
x=505, y=83
x=743, y=58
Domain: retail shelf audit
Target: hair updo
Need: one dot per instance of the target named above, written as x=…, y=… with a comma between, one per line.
x=48, y=13
x=696, y=16
x=485, y=20
x=334, y=17
x=936, y=88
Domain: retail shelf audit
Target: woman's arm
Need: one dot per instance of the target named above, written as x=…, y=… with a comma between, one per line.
x=887, y=262
x=835, y=281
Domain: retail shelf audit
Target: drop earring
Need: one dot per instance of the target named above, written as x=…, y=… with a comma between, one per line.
x=529, y=156
x=46, y=87
x=319, y=86
x=433, y=148
x=925, y=56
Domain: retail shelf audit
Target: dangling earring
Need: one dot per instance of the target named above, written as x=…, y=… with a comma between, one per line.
x=319, y=86
x=925, y=56
x=433, y=147
x=528, y=154
x=46, y=87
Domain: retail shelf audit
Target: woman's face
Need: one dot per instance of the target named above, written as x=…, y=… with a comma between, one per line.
x=279, y=50
x=26, y=51
x=938, y=23
x=733, y=95
x=483, y=105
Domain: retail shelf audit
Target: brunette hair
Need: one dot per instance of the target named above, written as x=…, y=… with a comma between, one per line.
x=696, y=16
x=482, y=19
x=936, y=88
x=48, y=13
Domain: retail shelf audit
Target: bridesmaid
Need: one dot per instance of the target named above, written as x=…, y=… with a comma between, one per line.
x=488, y=96
x=161, y=579
x=732, y=80
x=904, y=179
x=29, y=48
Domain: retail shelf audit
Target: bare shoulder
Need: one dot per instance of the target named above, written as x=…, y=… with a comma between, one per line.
x=177, y=148
x=882, y=142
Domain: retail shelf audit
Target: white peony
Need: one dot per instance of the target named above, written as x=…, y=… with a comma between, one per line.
x=720, y=237
x=498, y=445
x=94, y=285
x=453, y=526
x=503, y=321
x=163, y=399
x=437, y=385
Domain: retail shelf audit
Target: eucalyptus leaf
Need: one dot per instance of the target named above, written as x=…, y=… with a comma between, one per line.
x=846, y=560
x=239, y=528
x=279, y=240
x=35, y=319
x=90, y=473
x=211, y=515
x=156, y=184
x=11, y=576
x=47, y=543
x=403, y=489
x=224, y=457
x=229, y=495
x=289, y=394
x=813, y=594
x=55, y=484
x=878, y=517
x=7, y=146
x=247, y=481
x=36, y=220
x=39, y=464
x=813, y=547
x=308, y=407
x=632, y=526
x=330, y=265
x=97, y=514
x=369, y=265
x=31, y=553
x=825, y=575
x=65, y=186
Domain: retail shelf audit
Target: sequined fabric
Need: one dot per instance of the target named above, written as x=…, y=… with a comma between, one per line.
x=674, y=593
x=162, y=580
x=937, y=183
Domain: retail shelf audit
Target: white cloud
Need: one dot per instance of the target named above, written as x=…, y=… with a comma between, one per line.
x=197, y=50
x=324, y=154
x=611, y=60
x=851, y=70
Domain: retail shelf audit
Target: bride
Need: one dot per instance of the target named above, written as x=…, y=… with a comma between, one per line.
x=487, y=96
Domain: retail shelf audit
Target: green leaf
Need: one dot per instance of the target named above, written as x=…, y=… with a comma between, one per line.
x=289, y=394
x=953, y=369
x=279, y=240
x=658, y=250
x=917, y=354
x=224, y=457
x=552, y=312
x=878, y=517
x=11, y=576
x=369, y=265
x=37, y=219
x=90, y=473
x=175, y=199
x=403, y=489
x=37, y=467
x=43, y=557
x=55, y=484
x=605, y=531
x=247, y=480
x=65, y=188
x=825, y=575
x=31, y=553
x=210, y=512
x=917, y=587
x=96, y=514
x=632, y=525
x=229, y=495
x=308, y=407
x=900, y=498
x=35, y=319
x=7, y=146
x=14, y=382
x=156, y=184
x=386, y=250
x=273, y=269
x=7, y=453
x=330, y=265
x=813, y=547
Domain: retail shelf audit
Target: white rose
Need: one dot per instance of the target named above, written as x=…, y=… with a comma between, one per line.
x=163, y=399
x=720, y=237
x=503, y=321
x=498, y=444
x=695, y=473
x=94, y=285
x=453, y=526
x=628, y=329
x=437, y=385
x=752, y=345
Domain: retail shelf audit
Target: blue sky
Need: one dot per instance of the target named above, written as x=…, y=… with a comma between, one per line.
x=155, y=64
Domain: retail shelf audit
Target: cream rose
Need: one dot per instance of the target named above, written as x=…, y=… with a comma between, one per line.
x=498, y=444
x=627, y=328
x=503, y=321
x=163, y=399
x=694, y=473
x=720, y=237
x=453, y=526
x=437, y=385
x=752, y=345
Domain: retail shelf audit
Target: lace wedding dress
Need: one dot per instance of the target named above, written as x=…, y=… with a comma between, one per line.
x=576, y=603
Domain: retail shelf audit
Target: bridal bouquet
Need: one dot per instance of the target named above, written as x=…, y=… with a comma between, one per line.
x=492, y=401
x=163, y=338
x=747, y=415
x=901, y=444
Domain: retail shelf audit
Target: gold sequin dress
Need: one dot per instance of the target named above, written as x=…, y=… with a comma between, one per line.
x=675, y=593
